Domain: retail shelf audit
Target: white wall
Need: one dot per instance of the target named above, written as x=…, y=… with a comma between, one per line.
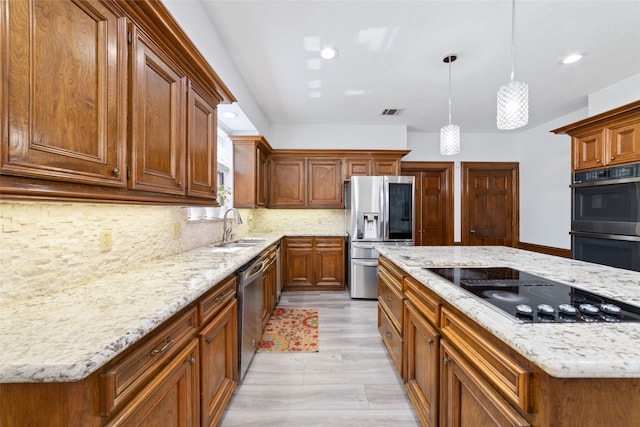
x=545, y=176
x=623, y=92
x=196, y=24
x=338, y=137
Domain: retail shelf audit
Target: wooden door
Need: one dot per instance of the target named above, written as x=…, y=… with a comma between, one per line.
x=422, y=379
x=171, y=398
x=434, y=202
x=219, y=349
x=467, y=399
x=329, y=263
x=157, y=119
x=298, y=263
x=64, y=103
x=202, y=145
x=287, y=182
x=490, y=204
x=324, y=183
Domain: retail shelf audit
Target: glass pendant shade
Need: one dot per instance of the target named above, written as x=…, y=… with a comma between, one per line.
x=449, y=140
x=513, y=105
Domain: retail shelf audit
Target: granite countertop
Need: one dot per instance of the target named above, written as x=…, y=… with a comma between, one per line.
x=68, y=334
x=563, y=350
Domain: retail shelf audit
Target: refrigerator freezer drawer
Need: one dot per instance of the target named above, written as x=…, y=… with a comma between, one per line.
x=364, y=278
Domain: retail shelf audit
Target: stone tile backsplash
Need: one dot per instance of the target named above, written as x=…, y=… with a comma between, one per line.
x=48, y=245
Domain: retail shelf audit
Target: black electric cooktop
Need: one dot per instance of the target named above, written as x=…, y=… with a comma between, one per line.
x=530, y=298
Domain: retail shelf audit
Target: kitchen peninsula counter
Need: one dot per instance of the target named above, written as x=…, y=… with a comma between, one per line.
x=562, y=350
x=67, y=334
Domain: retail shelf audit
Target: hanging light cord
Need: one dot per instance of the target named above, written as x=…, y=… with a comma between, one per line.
x=450, y=89
x=513, y=43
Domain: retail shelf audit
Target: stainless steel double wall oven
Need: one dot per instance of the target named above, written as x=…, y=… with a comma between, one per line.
x=605, y=226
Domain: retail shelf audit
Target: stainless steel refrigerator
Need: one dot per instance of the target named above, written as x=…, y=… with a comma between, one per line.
x=380, y=210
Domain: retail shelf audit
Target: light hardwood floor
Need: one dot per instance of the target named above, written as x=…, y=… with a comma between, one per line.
x=351, y=381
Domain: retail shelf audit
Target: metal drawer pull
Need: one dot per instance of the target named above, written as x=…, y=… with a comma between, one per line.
x=208, y=340
x=156, y=351
x=388, y=334
x=219, y=297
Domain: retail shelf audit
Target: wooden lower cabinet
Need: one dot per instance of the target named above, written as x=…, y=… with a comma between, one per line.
x=270, y=283
x=219, y=359
x=467, y=398
x=313, y=263
x=170, y=399
x=422, y=360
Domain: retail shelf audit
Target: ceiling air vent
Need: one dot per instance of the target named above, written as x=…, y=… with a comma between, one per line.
x=392, y=111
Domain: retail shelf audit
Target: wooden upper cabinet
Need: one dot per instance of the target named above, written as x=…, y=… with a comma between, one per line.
x=287, y=182
x=324, y=183
x=251, y=175
x=357, y=167
x=607, y=139
x=157, y=119
x=389, y=167
x=201, y=144
x=65, y=92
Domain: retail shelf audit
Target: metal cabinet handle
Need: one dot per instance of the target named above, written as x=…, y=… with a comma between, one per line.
x=446, y=360
x=598, y=161
x=388, y=334
x=179, y=184
x=430, y=341
x=116, y=171
x=156, y=351
x=613, y=158
x=472, y=231
x=388, y=298
x=192, y=360
x=209, y=340
x=219, y=297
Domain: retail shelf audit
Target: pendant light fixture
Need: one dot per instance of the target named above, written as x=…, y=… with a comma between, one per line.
x=513, y=98
x=449, y=134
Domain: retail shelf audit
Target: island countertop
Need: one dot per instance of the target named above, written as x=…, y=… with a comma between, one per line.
x=562, y=350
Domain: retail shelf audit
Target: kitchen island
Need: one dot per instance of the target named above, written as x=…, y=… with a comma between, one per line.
x=531, y=373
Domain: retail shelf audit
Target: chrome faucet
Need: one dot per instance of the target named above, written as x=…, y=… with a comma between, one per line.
x=227, y=229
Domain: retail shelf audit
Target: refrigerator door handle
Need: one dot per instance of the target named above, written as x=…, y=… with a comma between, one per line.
x=365, y=263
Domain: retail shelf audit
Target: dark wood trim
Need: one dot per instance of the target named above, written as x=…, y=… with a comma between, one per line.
x=464, y=196
x=339, y=153
x=631, y=108
x=448, y=168
x=548, y=250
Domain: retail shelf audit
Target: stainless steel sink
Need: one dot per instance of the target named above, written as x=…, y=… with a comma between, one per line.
x=238, y=245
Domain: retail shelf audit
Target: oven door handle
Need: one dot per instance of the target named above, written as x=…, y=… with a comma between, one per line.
x=606, y=236
x=580, y=184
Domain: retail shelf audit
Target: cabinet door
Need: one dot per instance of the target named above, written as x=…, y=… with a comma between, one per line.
x=201, y=143
x=386, y=167
x=357, y=167
x=157, y=119
x=268, y=284
x=324, y=183
x=467, y=399
x=287, y=182
x=587, y=150
x=624, y=143
x=171, y=398
x=219, y=350
x=64, y=93
x=298, y=263
x=329, y=262
x=262, y=178
x=422, y=359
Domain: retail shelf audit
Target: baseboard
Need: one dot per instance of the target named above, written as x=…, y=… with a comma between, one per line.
x=549, y=250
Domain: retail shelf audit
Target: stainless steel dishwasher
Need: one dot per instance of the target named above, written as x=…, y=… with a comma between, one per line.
x=250, y=305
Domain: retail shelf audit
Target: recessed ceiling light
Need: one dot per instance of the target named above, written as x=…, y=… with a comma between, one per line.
x=329, y=52
x=574, y=57
x=229, y=115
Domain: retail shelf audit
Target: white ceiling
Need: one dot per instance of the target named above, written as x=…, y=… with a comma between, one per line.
x=390, y=56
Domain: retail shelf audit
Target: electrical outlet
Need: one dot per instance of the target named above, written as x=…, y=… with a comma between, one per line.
x=106, y=241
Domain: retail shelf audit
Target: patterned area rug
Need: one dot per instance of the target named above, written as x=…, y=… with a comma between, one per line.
x=291, y=330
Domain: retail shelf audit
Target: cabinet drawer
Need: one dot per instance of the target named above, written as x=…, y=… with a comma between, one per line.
x=299, y=242
x=391, y=339
x=425, y=301
x=329, y=242
x=392, y=300
x=127, y=375
x=393, y=274
x=216, y=299
x=496, y=364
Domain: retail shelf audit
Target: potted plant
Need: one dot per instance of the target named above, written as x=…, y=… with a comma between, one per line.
x=223, y=197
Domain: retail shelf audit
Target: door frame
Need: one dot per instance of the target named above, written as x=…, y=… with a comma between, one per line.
x=442, y=167
x=514, y=167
